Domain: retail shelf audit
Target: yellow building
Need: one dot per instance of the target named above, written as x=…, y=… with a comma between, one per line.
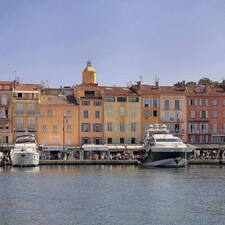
x=57, y=121
x=89, y=98
x=173, y=109
x=25, y=100
x=122, y=116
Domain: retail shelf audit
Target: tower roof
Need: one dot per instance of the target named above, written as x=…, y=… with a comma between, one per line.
x=89, y=67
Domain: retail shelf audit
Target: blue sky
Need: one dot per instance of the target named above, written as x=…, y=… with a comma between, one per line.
x=52, y=40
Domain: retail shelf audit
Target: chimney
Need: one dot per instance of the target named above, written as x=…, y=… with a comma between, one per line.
x=138, y=84
x=157, y=84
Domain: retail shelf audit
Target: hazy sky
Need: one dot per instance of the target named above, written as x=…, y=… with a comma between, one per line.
x=52, y=40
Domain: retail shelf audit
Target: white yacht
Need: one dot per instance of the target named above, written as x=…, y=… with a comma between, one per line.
x=164, y=149
x=25, y=151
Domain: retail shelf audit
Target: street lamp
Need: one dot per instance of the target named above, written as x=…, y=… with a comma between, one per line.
x=65, y=119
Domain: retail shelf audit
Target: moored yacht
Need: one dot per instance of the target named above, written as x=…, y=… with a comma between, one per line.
x=25, y=151
x=164, y=149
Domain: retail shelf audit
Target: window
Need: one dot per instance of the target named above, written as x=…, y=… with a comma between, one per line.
x=203, y=139
x=192, y=114
x=5, y=139
x=85, y=140
x=44, y=128
x=166, y=104
x=203, y=114
x=109, y=140
x=192, y=139
x=151, y=102
x=122, y=110
x=166, y=116
x=121, y=99
x=19, y=95
x=54, y=128
x=133, y=126
x=177, y=104
x=203, y=102
x=109, y=110
x=121, y=140
x=223, y=114
x=55, y=140
x=31, y=109
x=192, y=102
x=49, y=112
x=214, y=128
x=69, y=128
x=109, y=126
x=4, y=100
x=69, y=113
x=109, y=99
x=68, y=141
x=214, y=114
x=97, y=127
x=122, y=126
x=97, y=103
x=31, y=123
x=41, y=113
x=214, y=101
x=203, y=128
x=155, y=113
x=85, y=103
x=3, y=113
x=85, y=127
x=19, y=108
x=97, y=114
x=97, y=140
x=133, y=140
x=133, y=99
x=85, y=113
x=133, y=110
x=89, y=93
x=19, y=123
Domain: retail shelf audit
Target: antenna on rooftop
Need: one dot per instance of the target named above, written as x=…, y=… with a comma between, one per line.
x=141, y=79
x=17, y=78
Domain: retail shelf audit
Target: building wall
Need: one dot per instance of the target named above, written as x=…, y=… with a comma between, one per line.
x=50, y=124
x=174, y=118
x=88, y=108
x=150, y=111
x=26, y=114
x=117, y=119
x=6, y=134
x=208, y=127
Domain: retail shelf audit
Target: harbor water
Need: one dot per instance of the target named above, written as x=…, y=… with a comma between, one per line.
x=112, y=195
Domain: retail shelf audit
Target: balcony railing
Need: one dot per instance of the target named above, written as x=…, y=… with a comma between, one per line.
x=20, y=112
x=31, y=112
x=171, y=119
x=212, y=132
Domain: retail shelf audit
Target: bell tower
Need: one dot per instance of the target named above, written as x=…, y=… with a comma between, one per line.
x=89, y=74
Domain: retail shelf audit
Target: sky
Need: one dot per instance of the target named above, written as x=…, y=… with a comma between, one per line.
x=126, y=40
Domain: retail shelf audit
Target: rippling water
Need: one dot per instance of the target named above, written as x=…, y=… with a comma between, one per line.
x=112, y=195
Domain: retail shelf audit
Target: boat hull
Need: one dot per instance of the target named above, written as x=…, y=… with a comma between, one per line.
x=165, y=159
x=25, y=158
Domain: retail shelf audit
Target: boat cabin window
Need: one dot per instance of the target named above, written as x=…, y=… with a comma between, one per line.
x=168, y=140
x=25, y=141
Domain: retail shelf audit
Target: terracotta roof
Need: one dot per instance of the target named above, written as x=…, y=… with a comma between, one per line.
x=117, y=91
x=174, y=90
x=7, y=82
x=27, y=87
x=57, y=100
x=205, y=90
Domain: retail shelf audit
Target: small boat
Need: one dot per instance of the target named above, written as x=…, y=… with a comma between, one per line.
x=163, y=149
x=25, y=151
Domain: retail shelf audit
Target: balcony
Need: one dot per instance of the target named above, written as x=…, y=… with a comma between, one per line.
x=31, y=112
x=171, y=119
x=19, y=112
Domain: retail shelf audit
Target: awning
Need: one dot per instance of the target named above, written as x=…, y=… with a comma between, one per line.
x=95, y=148
x=74, y=149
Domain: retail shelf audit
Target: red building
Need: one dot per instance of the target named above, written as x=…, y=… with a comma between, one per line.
x=206, y=114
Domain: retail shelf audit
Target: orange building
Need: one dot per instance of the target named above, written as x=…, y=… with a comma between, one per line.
x=57, y=122
x=6, y=134
x=25, y=100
